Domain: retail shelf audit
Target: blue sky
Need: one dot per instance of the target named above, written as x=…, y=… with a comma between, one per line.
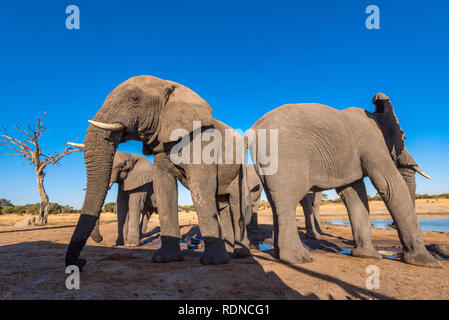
x=244, y=57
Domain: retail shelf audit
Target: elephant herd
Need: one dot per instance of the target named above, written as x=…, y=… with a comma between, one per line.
x=315, y=148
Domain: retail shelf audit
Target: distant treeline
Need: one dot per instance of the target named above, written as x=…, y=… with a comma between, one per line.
x=6, y=207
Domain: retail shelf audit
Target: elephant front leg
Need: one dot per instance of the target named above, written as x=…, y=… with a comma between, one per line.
x=122, y=213
x=356, y=201
x=227, y=229
x=203, y=185
x=166, y=192
x=393, y=190
x=136, y=203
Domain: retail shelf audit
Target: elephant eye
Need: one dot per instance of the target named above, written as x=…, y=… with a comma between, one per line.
x=134, y=98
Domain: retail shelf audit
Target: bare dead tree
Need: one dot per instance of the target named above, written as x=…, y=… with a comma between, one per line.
x=28, y=148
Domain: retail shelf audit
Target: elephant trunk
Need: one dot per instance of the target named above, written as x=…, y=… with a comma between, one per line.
x=409, y=176
x=98, y=157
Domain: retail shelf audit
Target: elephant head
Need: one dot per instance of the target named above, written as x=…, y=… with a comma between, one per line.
x=394, y=137
x=142, y=108
x=131, y=171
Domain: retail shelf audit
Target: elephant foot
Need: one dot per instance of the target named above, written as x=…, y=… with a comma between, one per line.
x=241, y=253
x=422, y=259
x=119, y=242
x=313, y=235
x=214, y=252
x=169, y=251
x=295, y=255
x=366, y=252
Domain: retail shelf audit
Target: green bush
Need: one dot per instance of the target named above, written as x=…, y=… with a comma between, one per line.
x=33, y=209
x=186, y=208
x=109, y=207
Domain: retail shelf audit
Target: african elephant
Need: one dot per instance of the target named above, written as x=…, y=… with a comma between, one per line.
x=170, y=120
x=335, y=149
x=135, y=198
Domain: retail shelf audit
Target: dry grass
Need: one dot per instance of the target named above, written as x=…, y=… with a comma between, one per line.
x=424, y=207
x=63, y=218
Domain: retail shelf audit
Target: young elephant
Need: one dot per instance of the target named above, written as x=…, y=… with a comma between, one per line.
x=135, y=197
x=335, y=149
x=162, y=115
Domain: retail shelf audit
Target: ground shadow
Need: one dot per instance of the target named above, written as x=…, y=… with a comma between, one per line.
x=36, y=270
x=356, y=292
x=38, y=228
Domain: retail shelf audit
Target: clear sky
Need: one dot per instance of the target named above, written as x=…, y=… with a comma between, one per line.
x=244, y=57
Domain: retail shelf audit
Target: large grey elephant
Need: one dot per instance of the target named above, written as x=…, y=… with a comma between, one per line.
x=164, y=115
x=327, y=149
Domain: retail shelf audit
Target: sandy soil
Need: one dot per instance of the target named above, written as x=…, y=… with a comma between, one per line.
x=32, y=267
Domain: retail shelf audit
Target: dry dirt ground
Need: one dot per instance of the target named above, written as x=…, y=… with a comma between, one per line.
x=32, y=267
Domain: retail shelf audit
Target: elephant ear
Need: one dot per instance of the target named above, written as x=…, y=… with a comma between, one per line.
x=139, y=174
x=389, y=124
x=182, y=108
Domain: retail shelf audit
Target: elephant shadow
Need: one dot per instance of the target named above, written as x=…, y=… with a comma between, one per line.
x=35, y=270
x=261, y=236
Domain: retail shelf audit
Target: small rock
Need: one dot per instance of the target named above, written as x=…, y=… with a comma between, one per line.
x=27, y=222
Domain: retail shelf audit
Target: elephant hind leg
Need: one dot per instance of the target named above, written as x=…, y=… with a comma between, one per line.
x=316, y=212
x=287, y=244
x=226, y=225
x=241, y=242
x=356, y=201
x=144, y=222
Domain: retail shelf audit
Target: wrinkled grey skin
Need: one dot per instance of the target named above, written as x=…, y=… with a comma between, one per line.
x=135, y=198
x=334, y=149
x=149, y=109
x=255, y=186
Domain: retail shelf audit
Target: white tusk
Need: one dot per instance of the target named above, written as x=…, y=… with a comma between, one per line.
x=76, y=145
x=417, y=169
x=108, y=126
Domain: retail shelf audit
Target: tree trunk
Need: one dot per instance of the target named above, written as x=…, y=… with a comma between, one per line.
x=45, y=203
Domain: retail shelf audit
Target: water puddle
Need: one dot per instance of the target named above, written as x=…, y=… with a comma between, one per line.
x=393, y=255
x=265, y=246
x=191, y=242
x=427, y=224
x=386, y=254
